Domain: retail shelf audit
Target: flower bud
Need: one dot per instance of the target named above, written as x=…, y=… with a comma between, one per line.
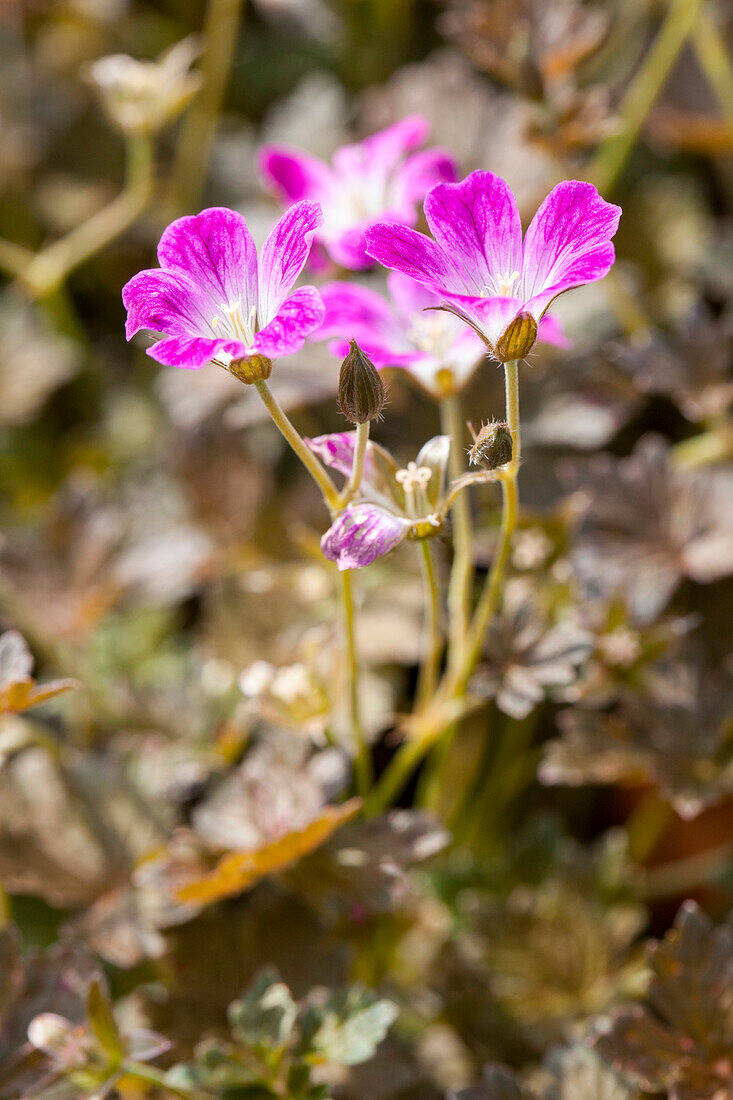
x=252, y=368
x=493, y=446
x=361, y=390
x=517, y=339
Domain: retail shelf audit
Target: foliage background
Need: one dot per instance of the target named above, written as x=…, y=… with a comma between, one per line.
x=157, y=539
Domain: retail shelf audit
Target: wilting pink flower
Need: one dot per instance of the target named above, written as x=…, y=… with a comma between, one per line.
x=478, y=262
x=437, y=348
x=214, y=298
x=381, y=179
x=393, y=503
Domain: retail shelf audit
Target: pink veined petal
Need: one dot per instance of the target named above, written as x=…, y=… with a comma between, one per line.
x=421, y=171
x=356, y=312
x=381, y=355
x=587, y=268
x=361, y=534
x=348, y=249
x=283, y=256
x=298, y=316
x=380, y=153
x=490, y=316
x=550, y=331
x=572, y=224
x=192, y=354
x=409, y=296
x=292, y=174
x=165, y=302
x=477, y=224
x=335, y=450
x=414, y=254
x=215, y=251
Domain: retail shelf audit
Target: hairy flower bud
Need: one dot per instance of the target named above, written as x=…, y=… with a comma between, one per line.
x=361, y=390
x=492, y=446
x=252, y=368
x=517, y=339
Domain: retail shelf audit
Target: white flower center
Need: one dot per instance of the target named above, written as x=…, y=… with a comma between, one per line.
x=414, y=477
x=620, y=647
x=231, y=322
x=431, y=333
x=502, y=287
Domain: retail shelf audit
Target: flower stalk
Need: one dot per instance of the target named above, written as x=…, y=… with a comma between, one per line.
x=357, y=470
x=461, y=577
x=433, y=643
x=439, y=718
x=293, y=437
x=45, y=272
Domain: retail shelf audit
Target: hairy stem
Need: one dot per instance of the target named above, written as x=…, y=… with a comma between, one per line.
x=362, y=760
x=221, y=33
x=306, y=456
x=461, y=577
x=611, y=158
x=433, y=643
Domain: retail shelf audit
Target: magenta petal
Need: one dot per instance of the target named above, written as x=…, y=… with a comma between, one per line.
x=490, y=316
x=335, y=450
x=283, y=255
x=293, y=175
x=298, y=316
x=380, y=153
x=406, y=250
x=354, y=311
x=409, y=296
x=422, y=171
x=215, y=251
x=477, y=223
x=550, y=331
x=361, y=534
x=164, y=302
x=568, y=242
x=188, y=354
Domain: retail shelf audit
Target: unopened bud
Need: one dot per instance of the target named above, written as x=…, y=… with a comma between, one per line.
x=493, y=446
x=517, y=339
x=252, y=368
x=361, y=391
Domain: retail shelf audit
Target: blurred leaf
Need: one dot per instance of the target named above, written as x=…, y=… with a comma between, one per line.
x=266, y=1014
x=102, y=1022
x=682, y=1042
x=237, y=871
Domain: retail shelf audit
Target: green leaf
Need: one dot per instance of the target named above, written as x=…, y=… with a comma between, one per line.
x=265, y=1015
x=349, y=1028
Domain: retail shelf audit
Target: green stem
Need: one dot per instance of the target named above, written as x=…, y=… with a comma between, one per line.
x=439, y=717
x=6, y=907
x=47, y=271
x=357, y=469
x=461, y=577
x=611, y=157
x=362, y=759
x=433, y=643
x=306, y=456
x=193, y=151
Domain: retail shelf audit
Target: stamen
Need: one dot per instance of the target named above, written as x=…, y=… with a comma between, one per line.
x=414, y=477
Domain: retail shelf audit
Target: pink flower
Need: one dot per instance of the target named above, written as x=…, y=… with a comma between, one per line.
x=437, y=349
x=478, y=262
x=393, y=505
x=214, y=298
x=380, y=179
